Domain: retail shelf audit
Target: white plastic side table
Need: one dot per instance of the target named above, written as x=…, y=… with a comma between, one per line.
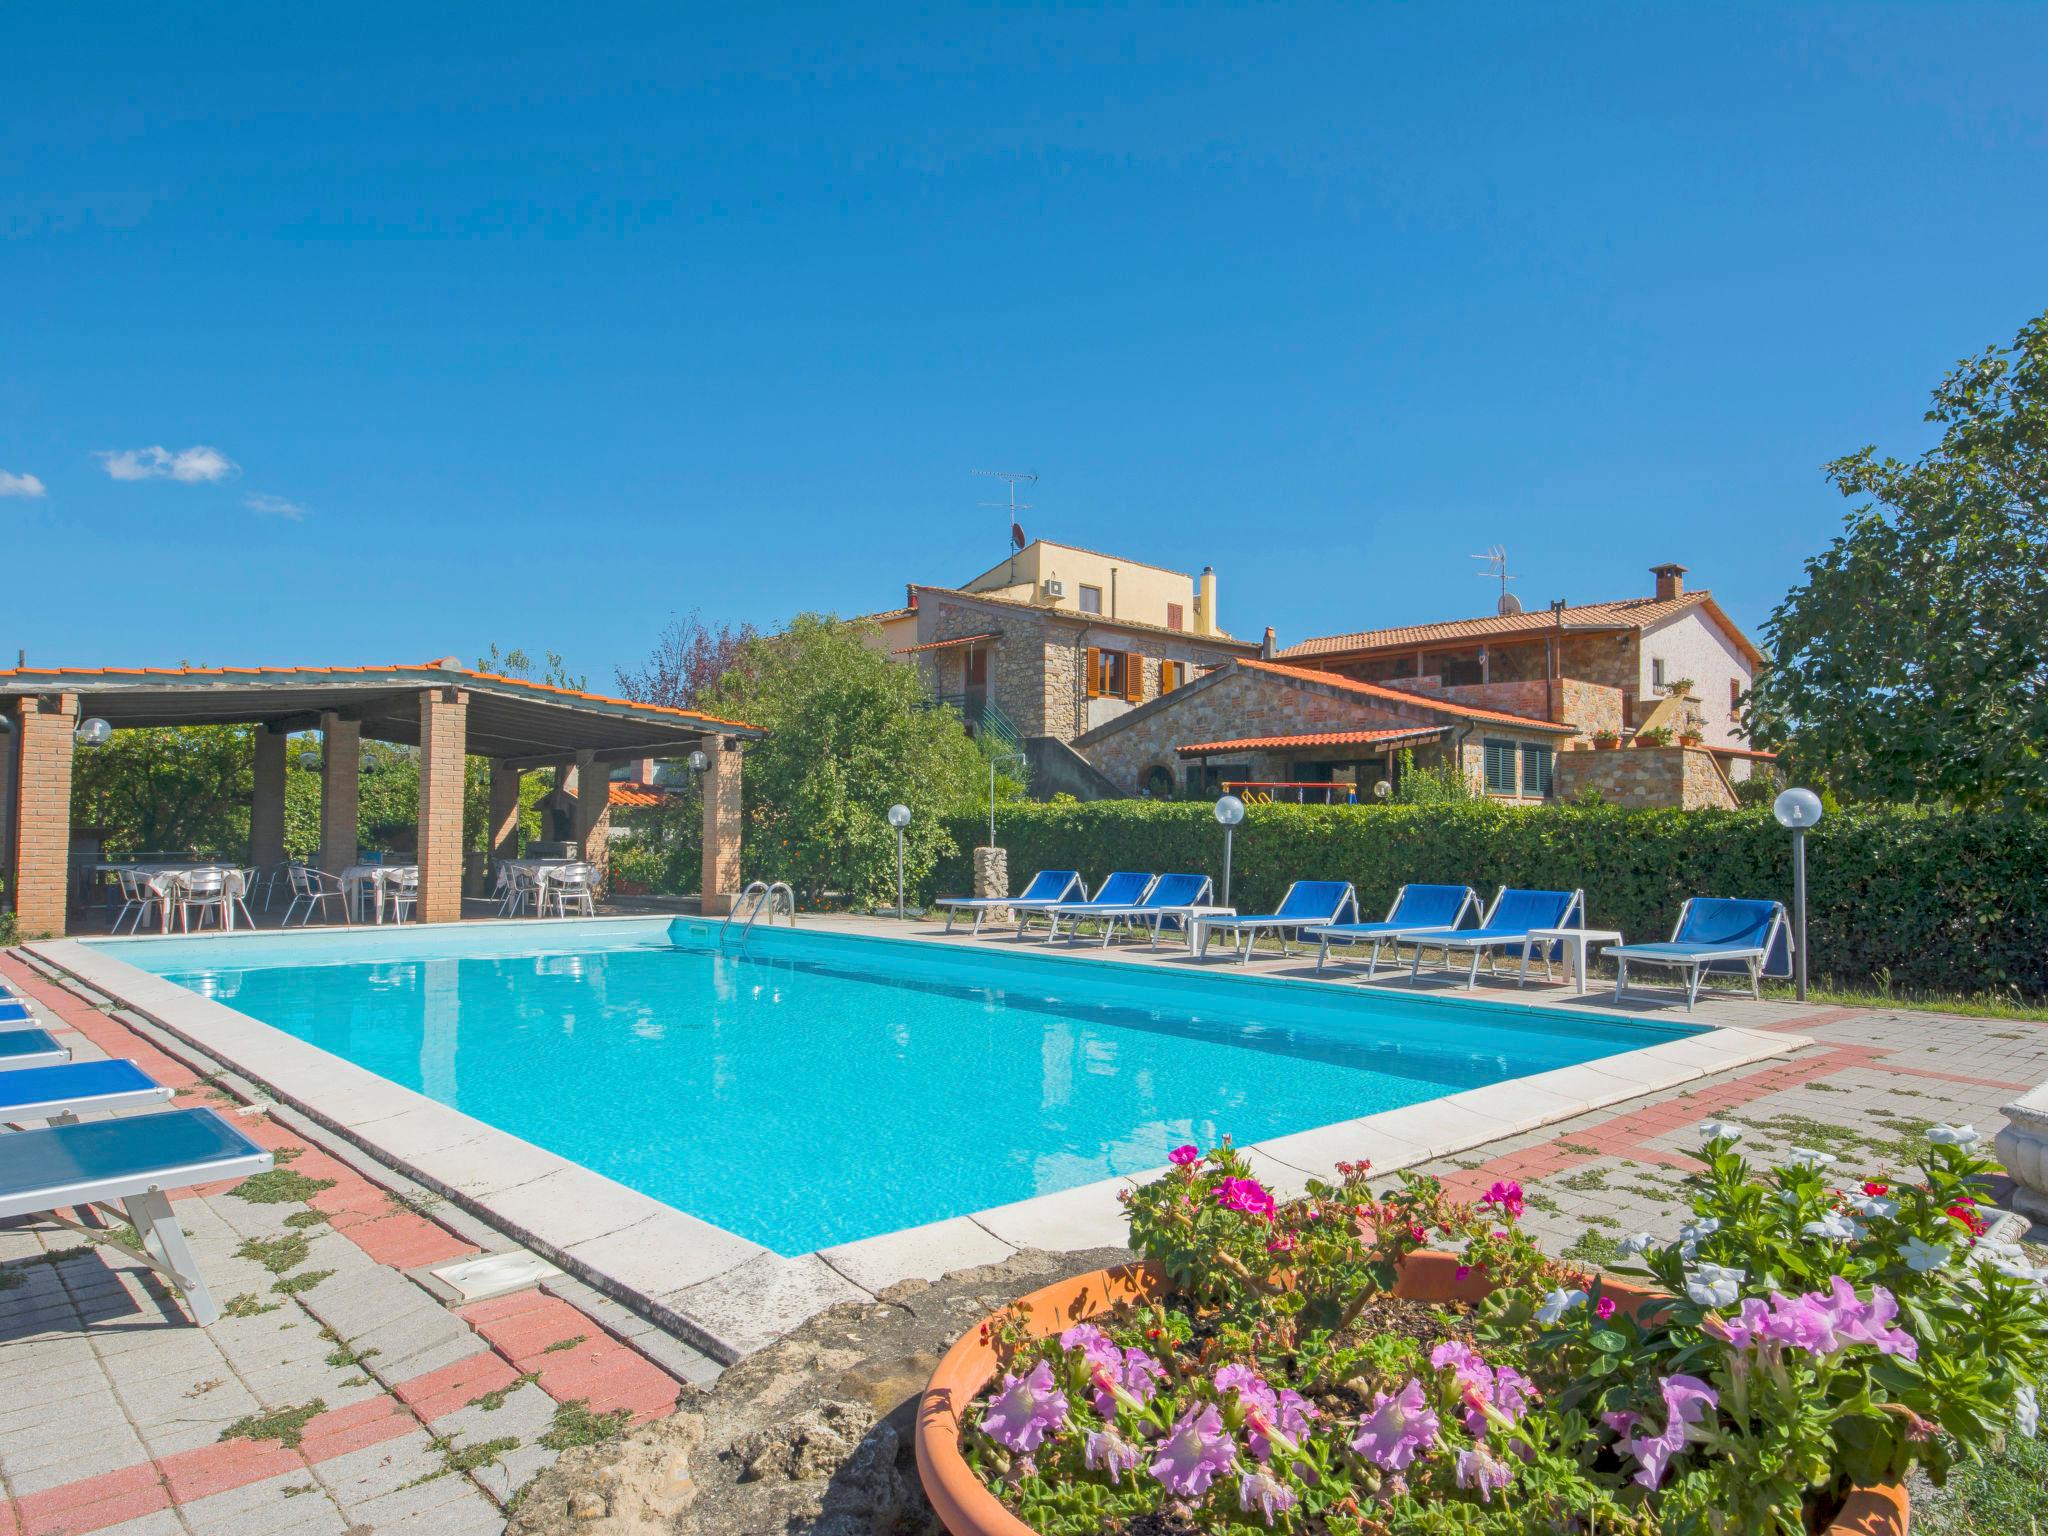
x=1578, y=943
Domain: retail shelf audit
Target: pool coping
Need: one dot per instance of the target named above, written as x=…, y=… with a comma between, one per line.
x=730, y=1296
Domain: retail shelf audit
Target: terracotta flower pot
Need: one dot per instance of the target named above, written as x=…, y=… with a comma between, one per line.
x=967, y=1507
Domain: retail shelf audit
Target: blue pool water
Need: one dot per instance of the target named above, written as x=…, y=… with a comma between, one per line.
x=821, y=1087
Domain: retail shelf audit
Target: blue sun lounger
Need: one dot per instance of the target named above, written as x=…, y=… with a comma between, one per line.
x=1716, y=933
x=132, y=1160
x=61, y=1094
x=1122, y=889
x=1307, y=904
x=1048, y=888
x=1507, y=924
x=14, y=1014
x=1174, y=899
x=1416, y=909
x=30, y=1048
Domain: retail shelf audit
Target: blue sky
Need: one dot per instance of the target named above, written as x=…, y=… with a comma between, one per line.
x=533, y=324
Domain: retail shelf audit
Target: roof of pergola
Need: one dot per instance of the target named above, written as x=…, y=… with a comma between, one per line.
x=525, y=723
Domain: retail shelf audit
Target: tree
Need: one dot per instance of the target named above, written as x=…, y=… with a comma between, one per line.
x=687, y=661
x=162, y=788
x=1910, y=664
x=849, y=733
x=554, y=672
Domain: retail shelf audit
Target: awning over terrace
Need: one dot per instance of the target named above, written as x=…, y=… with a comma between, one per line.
x=447, y=711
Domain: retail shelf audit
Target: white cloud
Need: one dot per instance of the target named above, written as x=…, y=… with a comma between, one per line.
x=19, y=485
x=197, y=465
x=274, y=506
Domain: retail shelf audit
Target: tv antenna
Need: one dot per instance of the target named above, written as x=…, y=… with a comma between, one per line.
x=1496, y=562
x=1013, y=506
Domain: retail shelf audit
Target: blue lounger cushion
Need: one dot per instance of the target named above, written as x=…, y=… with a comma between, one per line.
x=77, y=1087
x=30, y=1048
x=1124, y=888
x=1046, y=887
x=70, y=1165
x=1418, y=906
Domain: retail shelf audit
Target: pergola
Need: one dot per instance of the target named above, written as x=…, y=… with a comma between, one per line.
x=448, y=712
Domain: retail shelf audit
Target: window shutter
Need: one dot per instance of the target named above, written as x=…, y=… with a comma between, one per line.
x=1094, y=671
x=1134, y=676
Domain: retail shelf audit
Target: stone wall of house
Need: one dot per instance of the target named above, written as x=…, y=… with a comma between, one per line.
x=1636, y=777
x=1529, y=697
x=1591, y=706
x=1242, y=704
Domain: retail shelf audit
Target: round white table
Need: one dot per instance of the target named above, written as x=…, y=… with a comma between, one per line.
x=376, y=877
x=166, y=879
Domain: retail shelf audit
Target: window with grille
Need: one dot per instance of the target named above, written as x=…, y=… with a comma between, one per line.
x=1536, y=767
x=1500, y=767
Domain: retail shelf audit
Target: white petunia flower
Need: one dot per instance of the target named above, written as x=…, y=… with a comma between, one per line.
x=1693, y=1233
x=1806, y=1157
x=1556, y=1304
x=1715, y=1285
x=1721, y=1130
x=1835, y=1226
x=1964, y=1136
x=2026, y=1412
x=1636, y=1243
x=1922, y=1256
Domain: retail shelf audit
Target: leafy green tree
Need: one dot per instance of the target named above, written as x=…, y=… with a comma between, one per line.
x=168, y=787
x=1910, y=664
x=849, y=733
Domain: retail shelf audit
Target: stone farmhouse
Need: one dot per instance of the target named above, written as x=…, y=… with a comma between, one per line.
x=1639, y=698
x=1057, y=641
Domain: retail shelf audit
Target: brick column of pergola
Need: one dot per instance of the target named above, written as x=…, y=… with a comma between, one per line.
x=444, y=757
x=41, y=840
x=341, y=760
x=592, y=823
x=266, y=806
x=503, y=833
x=721, y=827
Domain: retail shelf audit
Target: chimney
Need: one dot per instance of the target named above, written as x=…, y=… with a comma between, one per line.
x=1205, y=603
x=1670, y=581
x=1269, y=647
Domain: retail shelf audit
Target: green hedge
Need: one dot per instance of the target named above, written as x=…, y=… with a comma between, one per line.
x=1945, y=902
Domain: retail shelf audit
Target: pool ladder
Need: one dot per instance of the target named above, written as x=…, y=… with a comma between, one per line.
x=764, y=896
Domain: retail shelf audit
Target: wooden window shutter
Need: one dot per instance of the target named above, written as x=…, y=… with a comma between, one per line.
x=1094, y=671
x=1134, y=676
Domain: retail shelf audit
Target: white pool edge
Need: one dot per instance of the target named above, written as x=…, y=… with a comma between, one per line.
x=730, y=1296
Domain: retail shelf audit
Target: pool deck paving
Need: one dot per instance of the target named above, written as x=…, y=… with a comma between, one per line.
x=366, y=1401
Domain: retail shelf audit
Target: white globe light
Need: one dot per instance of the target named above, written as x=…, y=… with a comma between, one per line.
x=899, y=816
x=1230, y=810
x=1382, y=789
x=94, y=732
x=1797, y=808
x=698, y=761
x=309, y=759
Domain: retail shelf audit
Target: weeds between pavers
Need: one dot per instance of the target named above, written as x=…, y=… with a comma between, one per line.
x=494, y=1399
x=1593, y=1247
x=561, y=1344
x=1585, y=1179
x=305, y=1280
x=344, y=1356
x=276, y=1254
x=280, y=1186
x=247, y=1305
x=576, y=1425
x=287, y=1426
x=463, y=1458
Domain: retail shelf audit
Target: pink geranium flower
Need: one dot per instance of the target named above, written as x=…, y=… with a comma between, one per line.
x=1398, y=1428
x=1507, y=1195
x=1246, y=1195
x=1194, y=1452
x=1183, y=1157
x=1026, y=1407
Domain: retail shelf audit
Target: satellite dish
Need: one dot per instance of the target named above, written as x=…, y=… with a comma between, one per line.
x=1509, y=604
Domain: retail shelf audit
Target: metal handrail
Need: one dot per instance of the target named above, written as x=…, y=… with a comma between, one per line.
x=765, y=899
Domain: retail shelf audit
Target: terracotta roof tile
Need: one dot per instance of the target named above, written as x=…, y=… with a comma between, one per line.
x=940, y=645
x=1629, y=613
x=1401, y=696
x=1317, y=739
x=624, y=795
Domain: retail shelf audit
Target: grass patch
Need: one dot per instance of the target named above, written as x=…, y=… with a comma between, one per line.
x=280, y=1186
x=287, y=1426
x=1881, y=994
x=1847, y=1140
x=561, y=1344
x=1593, y=1247
x=307, y=1218
x=464, y=1458
x=304, y=1280
x=298, y=1488
x=1538, y=1200
x=276, y=1254
x=1586, y=1179
x=2004, y=1497
x=344, y=1357
x=1578, y=1149
x=1818, y=1087
x=247, y=1305
x=494, y=1399
x=576, y=1425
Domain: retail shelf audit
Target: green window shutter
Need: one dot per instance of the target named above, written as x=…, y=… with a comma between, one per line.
x=1537, y=762
x=1500, y=767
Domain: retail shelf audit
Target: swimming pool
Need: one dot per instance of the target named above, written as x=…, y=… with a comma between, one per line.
x=817, y=1088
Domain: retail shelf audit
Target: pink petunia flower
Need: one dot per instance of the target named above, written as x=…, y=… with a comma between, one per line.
x=1261, y=1490
x=1398, y=1428
x=1869, y=1322
x=1480, y=1468
x=1687, y=1400
x=1194, y=1452
x=1019, y=1415
x=1107, y=1451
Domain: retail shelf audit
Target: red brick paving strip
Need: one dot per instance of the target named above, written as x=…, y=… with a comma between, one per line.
x=598, y=1370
